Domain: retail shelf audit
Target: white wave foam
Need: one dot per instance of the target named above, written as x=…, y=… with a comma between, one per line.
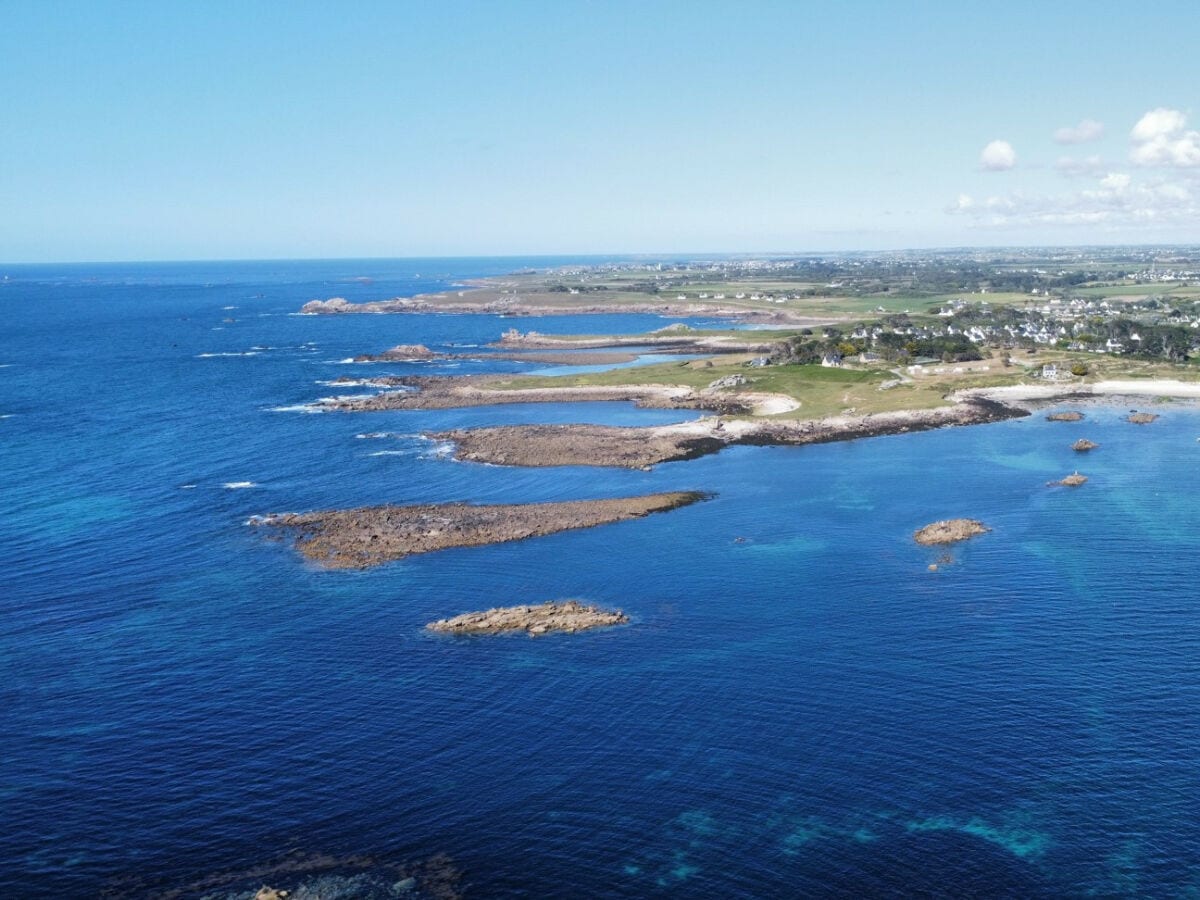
x=376, y=435
x=7, y=415
x=187, y=487
x=298, y=407
x=391, y=453
x=239, y=485
x=235, y=353
x=228, y=307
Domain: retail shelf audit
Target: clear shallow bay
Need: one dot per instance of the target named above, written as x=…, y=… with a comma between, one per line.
x=799, y=706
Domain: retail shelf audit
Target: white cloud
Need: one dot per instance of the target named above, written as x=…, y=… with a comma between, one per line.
x=1087, y=130
x=1159, y=139
x=998, y=156
x=1074, y=167
x=1113, y=201
x=1115, y=181
x=964, y=203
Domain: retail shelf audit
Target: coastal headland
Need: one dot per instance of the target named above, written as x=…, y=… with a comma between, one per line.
x=598, y=445
x=370, y=536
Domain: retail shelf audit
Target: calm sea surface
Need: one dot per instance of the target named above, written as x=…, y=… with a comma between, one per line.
x=799, y=707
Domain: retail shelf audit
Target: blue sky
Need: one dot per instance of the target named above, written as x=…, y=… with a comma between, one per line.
x=249, y=130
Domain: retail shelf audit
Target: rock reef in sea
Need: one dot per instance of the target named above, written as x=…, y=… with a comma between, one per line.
x=1141, y=418
x=399, y=353
x=949, y=531
x=373, y=535
x=1072, y=480
x=1068, y=416
x=568, y=616
x=1083, y=445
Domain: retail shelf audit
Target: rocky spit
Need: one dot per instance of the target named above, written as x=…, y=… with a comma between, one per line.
x=1069, y=416
x=949, y=531
x=574, y=445
x=631, y=447
x=487, y=390
x=568, y=616
x=1083, y=445
x=373, y=535
x=1141, y=418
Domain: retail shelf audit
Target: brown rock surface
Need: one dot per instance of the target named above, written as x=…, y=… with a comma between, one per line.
x=1083, y=444
x=948, y=531
x=1141, y=418
x=399, y=353
x=569, y=616
x=1069, y=416
x=373, y=535
x=1073, y=480
x=575, y=445
x=488, y=390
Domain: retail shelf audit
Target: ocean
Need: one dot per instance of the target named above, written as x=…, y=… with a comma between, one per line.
x=800, y=707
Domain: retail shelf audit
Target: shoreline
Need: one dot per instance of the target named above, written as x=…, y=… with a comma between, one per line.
x=484, y=297
x=643, y=447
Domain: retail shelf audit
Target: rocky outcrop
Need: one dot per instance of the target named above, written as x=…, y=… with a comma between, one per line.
x=373, y=535
x=569, y=616
x=949, y=531
x=1072, y=480
x=325, y=307
x=737, y=379
x=1069, y=416
x=603, y=445
x=1083, y=445
x=489, y=390
x=1141, y=418
x=575, y=445
x=399, y=353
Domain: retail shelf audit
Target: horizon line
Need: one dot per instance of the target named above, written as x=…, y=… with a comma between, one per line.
x=633, y=255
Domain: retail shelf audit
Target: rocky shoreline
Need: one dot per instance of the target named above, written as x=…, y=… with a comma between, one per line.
x=370, y=536
x=569, y=616
x=452, y=392
x=485, y=299
x=636, y=448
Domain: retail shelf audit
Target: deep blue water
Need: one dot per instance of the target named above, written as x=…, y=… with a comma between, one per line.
x=799, y=707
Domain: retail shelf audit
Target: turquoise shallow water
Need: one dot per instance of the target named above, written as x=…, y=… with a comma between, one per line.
x=799, y=706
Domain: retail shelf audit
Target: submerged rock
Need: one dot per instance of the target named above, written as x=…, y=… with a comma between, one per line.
x=1141, y=418
x=568, y=616
x=1083, y=444
x=1068, y=416
x=948, y=531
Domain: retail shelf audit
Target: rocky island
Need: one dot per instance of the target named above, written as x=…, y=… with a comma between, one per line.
x=949, y=531
x=1141, y=418
x=373, y=535
x=1072, y=480
x=1083, y=445
x=569, y=616
x=1069, y=416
